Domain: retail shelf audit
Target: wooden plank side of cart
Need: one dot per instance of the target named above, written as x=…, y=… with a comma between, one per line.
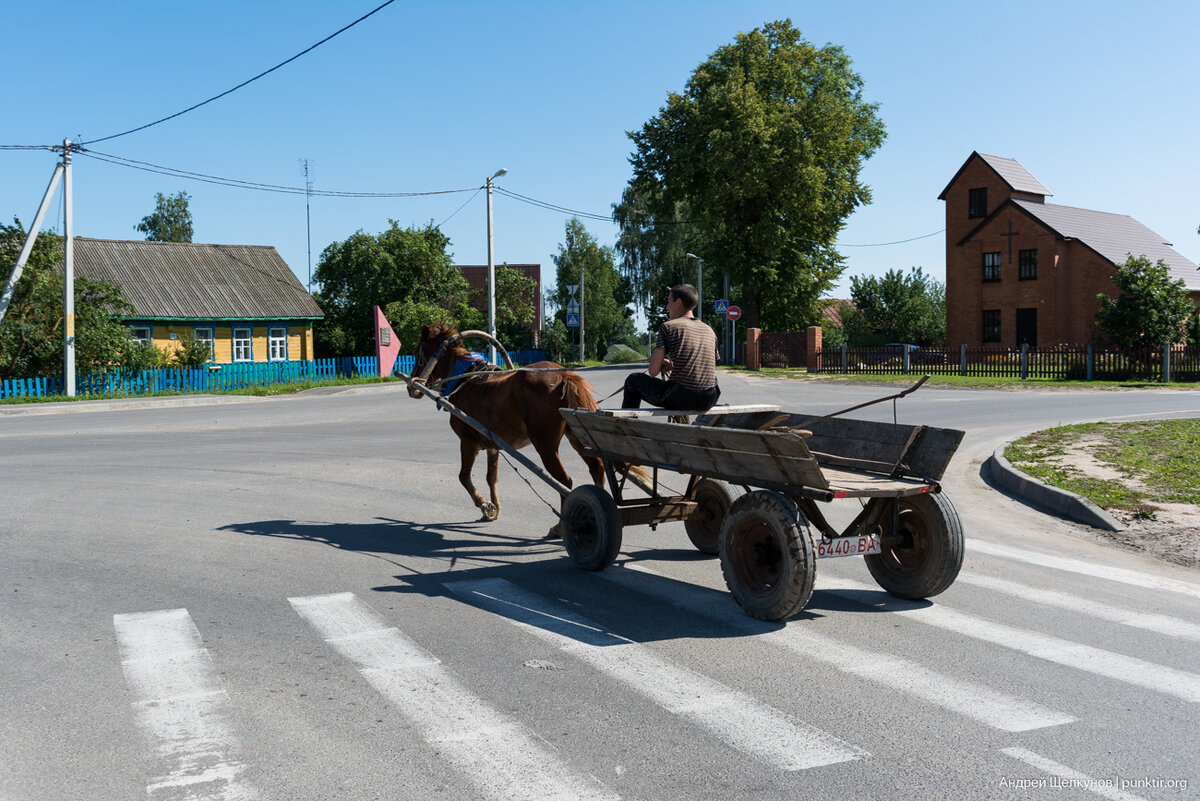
x=770, y=459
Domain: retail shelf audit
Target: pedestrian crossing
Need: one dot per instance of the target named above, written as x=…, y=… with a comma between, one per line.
x=179, y=694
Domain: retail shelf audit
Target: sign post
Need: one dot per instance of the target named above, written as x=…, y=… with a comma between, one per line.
x=733, y=314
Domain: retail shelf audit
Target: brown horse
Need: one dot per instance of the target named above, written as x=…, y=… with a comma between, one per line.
x=520, y=406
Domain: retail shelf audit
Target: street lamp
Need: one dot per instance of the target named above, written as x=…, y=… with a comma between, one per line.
x=491, y=281
x=699, y=285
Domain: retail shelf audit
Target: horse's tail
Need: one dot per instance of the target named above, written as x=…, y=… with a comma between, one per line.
x=579, y=395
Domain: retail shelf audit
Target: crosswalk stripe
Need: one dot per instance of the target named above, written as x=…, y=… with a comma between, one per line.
x=1159, y=624
x=1069, y=777
x=966, y=698
x=1128, y=669
x=1119, y=574
x=741, y=721
x=179, y=701
x=497, y=754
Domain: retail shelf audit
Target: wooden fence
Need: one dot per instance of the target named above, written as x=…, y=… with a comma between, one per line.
x=1062, y=362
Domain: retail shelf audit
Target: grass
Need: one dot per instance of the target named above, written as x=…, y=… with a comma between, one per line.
x=1159, y=460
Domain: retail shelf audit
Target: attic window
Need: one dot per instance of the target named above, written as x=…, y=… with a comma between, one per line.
x=977, y=204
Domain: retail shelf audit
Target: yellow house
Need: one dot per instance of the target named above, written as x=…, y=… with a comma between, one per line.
x=244, y=299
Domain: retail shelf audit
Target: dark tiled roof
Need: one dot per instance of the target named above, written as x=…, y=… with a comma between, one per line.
x=1113, y=236
x=185, y=281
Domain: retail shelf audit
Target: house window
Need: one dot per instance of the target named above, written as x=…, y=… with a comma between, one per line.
x=991, y=325
x=1028, y=269
x=242, y=350
x=206, y=335
x=139, y=333
x=991, y=266
x=277, y=344
x=977, y=205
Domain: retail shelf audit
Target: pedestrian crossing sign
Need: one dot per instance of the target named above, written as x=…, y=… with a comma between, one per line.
x=573, y=320
x=721, y=306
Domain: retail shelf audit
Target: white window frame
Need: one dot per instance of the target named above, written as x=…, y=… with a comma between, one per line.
x=136, y=335
x=277, y=343
x=243, y=346
x=205, y=333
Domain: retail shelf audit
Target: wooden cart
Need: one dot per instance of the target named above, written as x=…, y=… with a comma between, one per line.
x=755, y=475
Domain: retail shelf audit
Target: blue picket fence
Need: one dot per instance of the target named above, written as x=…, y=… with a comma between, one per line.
x=218, y=378
x=203, y=379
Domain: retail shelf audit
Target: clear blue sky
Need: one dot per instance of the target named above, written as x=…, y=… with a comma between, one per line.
x=1098, y=100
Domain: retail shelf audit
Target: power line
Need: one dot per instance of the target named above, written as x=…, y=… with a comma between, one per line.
x=243, y=83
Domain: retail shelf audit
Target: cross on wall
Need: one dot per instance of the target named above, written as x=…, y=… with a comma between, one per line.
x=1011, y=233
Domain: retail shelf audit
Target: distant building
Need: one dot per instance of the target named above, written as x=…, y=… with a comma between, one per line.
x=244, y=299
x=1020, y=270
x=476, y=275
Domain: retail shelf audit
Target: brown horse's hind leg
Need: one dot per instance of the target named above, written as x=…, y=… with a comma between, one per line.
x=469, y=451
x=493, y=476
x=595, y=466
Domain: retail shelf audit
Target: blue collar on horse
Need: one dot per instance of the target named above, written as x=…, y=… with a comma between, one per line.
x=464, y=365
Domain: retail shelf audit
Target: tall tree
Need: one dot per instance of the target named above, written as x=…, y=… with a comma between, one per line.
x=607, y=317
x=1152, y=308
x=31, y=338
x=763, y=150
x=364, y=271
x=896, y=308
x=171, y=220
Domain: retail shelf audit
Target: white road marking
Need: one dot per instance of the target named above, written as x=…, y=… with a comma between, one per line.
x=179, y=701
x=1159, y=624
x=966, y=698
x=1128, y=669
x=739, y=720
x=1120, y=574
x=1068, y=778
x=500, y=758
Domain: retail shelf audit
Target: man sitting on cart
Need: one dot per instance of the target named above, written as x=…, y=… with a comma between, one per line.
x=686, y=354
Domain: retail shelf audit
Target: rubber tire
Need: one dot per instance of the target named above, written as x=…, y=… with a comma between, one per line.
x=931, y=563
x=703, y=526
x=767, y=555
x=591, y=527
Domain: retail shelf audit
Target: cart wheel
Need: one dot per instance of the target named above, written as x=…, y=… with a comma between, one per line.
x=713, y=499
x=932, y=553
x=767, y=555
x=591, y=527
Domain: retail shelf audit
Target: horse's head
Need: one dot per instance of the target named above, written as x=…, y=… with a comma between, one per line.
x=432, y=337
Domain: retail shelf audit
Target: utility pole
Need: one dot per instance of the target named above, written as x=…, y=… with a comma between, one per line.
x=68, y=276
x=491, y=277
x=308, y=219
x=581, y=337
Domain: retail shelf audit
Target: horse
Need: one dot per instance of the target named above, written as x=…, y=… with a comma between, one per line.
x=520, y=406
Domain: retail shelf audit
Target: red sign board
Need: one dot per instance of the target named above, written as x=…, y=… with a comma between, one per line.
x=733, y=313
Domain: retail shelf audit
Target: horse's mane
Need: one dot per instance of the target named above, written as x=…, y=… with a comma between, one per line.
x=438, y=333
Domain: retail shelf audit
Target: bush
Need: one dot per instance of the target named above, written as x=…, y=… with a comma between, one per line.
x=622, y=354
x=192, y=352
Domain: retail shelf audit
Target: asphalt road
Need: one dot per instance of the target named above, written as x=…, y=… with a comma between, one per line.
x=292, y=598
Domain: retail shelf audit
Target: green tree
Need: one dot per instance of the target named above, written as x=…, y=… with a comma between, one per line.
x=171, y=220
x=763, y=150
x=1152, y=309
x=365, y=271
x=516, y=308
x=31, y=335
x=607, y=318
x=192, y=352
x=896, y=308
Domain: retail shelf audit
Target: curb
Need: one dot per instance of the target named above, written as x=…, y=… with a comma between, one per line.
x=1055, y=500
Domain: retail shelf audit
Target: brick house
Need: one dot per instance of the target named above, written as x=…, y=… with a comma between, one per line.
x=244, y=299
x=1020, y=270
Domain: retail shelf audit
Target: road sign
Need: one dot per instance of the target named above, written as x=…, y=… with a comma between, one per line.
x=572, y=289
x=721, y=306
x=572, y=306
x=572, y=320
x=733, y=313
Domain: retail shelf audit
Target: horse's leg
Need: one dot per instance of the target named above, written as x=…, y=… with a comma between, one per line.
x=547, y=448
x=493, y=475
x=594, y=465
x=469, y=451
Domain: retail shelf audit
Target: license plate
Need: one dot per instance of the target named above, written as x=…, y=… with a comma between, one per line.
x=848, y=546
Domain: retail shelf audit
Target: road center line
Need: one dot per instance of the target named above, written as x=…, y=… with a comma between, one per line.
x=739, y=720
x=500, y=758
x=179, y=701
x=1109, y=664
x=966, y=698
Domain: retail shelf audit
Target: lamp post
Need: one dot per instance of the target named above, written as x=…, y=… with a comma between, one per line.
x=491, y=268
x=699, y=285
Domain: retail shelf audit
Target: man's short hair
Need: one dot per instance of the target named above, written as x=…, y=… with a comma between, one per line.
x=687, y=293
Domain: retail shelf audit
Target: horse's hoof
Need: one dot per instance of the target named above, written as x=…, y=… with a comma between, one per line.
x=490, y=511
x=555, y=532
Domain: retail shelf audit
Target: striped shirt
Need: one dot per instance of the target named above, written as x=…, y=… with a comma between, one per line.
x=692, y=348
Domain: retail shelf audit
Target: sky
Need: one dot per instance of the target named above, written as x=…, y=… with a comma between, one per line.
x=1098, y=100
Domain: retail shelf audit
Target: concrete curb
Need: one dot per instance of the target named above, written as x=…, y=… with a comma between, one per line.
x=1055, y=500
